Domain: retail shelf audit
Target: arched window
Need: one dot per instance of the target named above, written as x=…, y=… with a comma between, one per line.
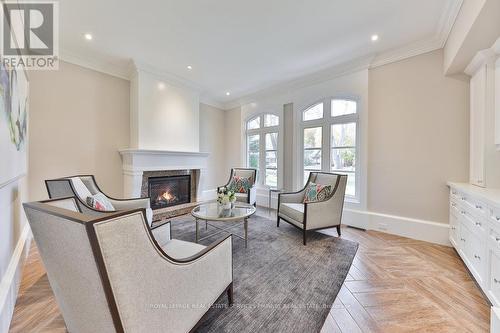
x=330, y=139
x=262, y=134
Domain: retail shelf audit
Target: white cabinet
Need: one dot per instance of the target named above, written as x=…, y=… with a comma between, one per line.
x=475, y=234
x=477, y=125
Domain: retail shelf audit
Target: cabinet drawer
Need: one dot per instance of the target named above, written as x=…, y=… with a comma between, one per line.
x=475, y=252
x=476, y=224
x=494, y=289
x=477, y=207
x=454, y=230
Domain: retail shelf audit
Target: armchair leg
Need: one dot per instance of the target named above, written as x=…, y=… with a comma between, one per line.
x=278, y=221
x=304, y=235
x=338, y=230
x=230, y=294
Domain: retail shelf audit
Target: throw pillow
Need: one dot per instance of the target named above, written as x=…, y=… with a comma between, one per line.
x=317, y=192
x=240, y=184
x=100, y=202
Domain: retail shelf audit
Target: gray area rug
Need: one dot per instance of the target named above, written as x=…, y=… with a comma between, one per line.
x=279, y=284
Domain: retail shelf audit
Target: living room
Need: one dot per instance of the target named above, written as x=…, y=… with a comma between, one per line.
x=331, y=166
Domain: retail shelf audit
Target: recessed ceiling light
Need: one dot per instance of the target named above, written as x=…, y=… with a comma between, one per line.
x=228, y=93
x=88, y=36
x=161, y=86
x=189, y=67
x=374, y=38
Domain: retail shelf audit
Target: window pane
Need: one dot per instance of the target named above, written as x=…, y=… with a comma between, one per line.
x=312, y=137
x=351, y=183
x=253, y=160
x=312, y=159
x=344, y=159
x=342, y=107
x=253, y=123
x=271, y=120
x=271, y=177
x=272, y=141
x=314, y=112
x=253, y=143
x=344, y=135
x=271, y=159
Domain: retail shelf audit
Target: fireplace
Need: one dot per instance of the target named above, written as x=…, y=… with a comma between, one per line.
x=167, y=191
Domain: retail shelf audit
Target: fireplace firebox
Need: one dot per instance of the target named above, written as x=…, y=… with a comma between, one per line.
x=169, y=191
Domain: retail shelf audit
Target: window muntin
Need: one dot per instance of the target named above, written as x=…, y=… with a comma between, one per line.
x=271, y=120
x=271, y=177
x=253, y=123
x=313, y=113
x=312, y=150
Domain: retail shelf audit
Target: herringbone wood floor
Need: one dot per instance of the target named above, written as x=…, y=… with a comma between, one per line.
x=395, y=285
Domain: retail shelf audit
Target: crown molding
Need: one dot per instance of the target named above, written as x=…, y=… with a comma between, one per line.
x=96, y=64
x=448, y=19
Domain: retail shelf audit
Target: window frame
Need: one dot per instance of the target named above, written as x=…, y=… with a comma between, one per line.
x=262, y=131
x=326, y=150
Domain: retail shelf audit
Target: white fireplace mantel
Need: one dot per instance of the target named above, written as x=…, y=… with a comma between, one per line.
x=137, y=161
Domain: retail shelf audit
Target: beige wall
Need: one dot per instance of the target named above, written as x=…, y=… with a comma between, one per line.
x=212, y=140
x=418, y=137
x=79, y=118
x=232, y=126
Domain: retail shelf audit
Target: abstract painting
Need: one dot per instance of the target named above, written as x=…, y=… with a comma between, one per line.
x=13, y=123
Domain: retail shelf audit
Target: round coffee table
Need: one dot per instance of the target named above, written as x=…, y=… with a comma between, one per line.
x=213, y=212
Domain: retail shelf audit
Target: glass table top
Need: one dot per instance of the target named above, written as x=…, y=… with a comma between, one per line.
x=214, y=212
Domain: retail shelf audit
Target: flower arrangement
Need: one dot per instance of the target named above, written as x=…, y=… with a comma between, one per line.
x=225, y=197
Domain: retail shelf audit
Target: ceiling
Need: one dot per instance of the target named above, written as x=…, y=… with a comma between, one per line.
x=243, y=47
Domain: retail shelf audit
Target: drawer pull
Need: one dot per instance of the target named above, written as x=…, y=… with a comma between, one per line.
x=478, y=224
x=497, y=239
x=463, y=198
x=498, y=218
x=477, y=257
x=453, y=228
x=479, y=207
x=454, y=192
x=453, y=205
x=496, y=281
x=463, y=212
x=462, y=239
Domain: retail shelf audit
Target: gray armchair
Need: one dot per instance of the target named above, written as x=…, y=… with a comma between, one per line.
x=251, y=196
x=109, y=274
x=314, y=215
x=72, y=187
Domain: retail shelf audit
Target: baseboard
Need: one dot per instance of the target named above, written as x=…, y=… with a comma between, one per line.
x=428, y=231
x=9, y=286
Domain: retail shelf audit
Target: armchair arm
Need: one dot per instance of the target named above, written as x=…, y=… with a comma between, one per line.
x=129, y=204
x=291, y=197
x=252, y=193
x=324, y=214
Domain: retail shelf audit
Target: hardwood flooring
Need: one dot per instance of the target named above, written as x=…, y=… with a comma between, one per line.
x=395, y=284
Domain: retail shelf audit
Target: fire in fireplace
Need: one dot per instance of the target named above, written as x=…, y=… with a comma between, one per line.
x=169, y=191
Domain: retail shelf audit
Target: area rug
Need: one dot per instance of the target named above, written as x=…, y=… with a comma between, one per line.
x=279, y=284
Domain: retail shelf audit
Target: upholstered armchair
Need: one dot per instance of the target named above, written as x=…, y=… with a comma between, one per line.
x=323, y=214
x=250, y=197
x=84, y=186
x=109, y=274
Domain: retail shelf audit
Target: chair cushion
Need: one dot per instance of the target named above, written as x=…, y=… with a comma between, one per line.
x=241, y=197
x=317, y=192
x=100, y=202
x=179, y=249
x=149, y=216
x=81, y=190
x=293, y=210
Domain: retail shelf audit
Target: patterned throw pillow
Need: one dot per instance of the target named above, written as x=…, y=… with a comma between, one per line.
x=100, y=202
x=240, y=184
x=317, y=192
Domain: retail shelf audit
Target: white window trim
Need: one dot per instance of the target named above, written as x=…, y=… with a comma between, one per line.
x=326, y=123
x=262, y=131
